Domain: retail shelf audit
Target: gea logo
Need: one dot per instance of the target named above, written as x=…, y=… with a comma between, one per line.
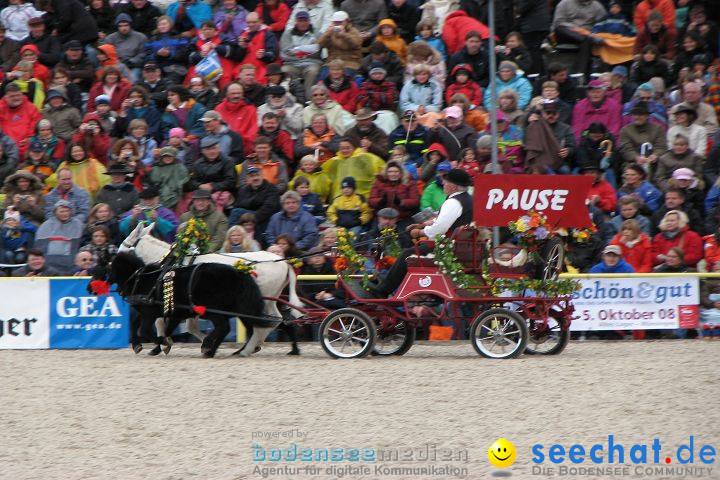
x=87, y=307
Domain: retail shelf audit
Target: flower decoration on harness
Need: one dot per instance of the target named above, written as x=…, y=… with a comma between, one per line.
x=244, y=267
x=193, y=238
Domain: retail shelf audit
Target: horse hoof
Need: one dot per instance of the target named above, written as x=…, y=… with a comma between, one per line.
x=166, y=349
x=137, y=348
x=155, y=351
x=294, y=351
x=208, y=354
x=257, y=349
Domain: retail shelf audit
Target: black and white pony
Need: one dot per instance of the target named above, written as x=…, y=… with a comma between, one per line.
x=272, y=275
x=217, y=292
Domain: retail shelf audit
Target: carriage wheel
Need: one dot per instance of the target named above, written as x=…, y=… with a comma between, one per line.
x=499, y=333
x=552, y=258
x=395, y=342
x=547, y=340
x=347, y=333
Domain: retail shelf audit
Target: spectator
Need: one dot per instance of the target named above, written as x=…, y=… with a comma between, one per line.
x=343, y=42
x=16, y=235
x=629, y=209
x=61, y=82
x=507, y=102
x=32, y=87
x=273, y=168
x=293, y=221
x=641, y=142
x=148, y=211
x=685, y=126
x=433, y=195
x=184, y=153
x=166, y=54
x=15, y=18
x=320, y=12
x=352, y=161
x=82, y=264
x=300, y=51
x=104, y=15
x=656, y=35
x=24, y=194
x=78, y=66
x=18, y=117
x=280, y=141
x=461, y=80
x=380, y=56
x=649, y=65
x=214, y=173
x=102, y=215
x=62, y=116
x=119, y=194
x=708, y=30
x=692, y=187
x=706, y=117
x=138, y=105
x=377, y=92
x=349, y=210
x=144, y=15
x=289, y=113
x=645, y=8
x=562, y=132
x=635, y=183
x=388, y=34
x=615, y=22
x=9, y=50
x=366, y=16
x=420, y=54
x=231, y=143
x=422, y=95
x=601, y=193
x=325, y=293
x=711, y=244
x=253, y=89
x=230, y=19
x=111, y=84
x=188, y=16
x=100, y=245
x=406, y=16
x=510, y=143
x=425, y=30
x=59, y=236
x=573, y=22
x=566, y=85
x=67, y=190
x=679, y=156
x=319, y=182
x=612, y=262
x=619, y=89
x=130, y=44
x=309, y=201
x=275, y=14
x=338, y=119
x=516, y=52
x=87, y=170
x=533, y=22
x=433, y=156
x=36, y=266
x=93, y=138
x=675, y=232
x=169, y=177
x=8, y=160
x=208, y=40
x=454, y=134
x=184, y=112
x=635, y=246
x=596, y=108
x=674, y=262
x=675, y=200
x=257, y=197
x=239, y=115
x=106, y=116
x=318, y=140
x=394, y=188
x=369, y=136
x=257, y=45
x=71, y=20
x=237, y=240
x=49, y=49
x=217, y=223
x=341, y=87
x=645, y=93
x=203, y=93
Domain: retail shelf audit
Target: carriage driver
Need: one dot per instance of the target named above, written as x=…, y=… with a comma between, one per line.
x=456, y=211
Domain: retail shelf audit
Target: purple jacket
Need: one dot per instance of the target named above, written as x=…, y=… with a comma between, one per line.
x=609, y=113
x=234, y=28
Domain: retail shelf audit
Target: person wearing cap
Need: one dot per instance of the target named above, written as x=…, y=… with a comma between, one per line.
x=412, y=135
x=680, y=155
x=692, y=95
x=231, y=143
x=455, y=212
x=24, y=193
x=18, y=117
x=281, y=143
x=293, y=220
x=619, y=87
x=300, y=52
x=377, y=92
x=692, y=187
x=684, y=124
x=288, y=111
x=188, y=16
x=49, y=48
x=338, y=119
x=238, y=114
x=213, y=172
x=38, y=161
x=380, y=56
x=257, y=45
x=64, y=119
x=59, y=236
x=169, y=176
x=15, y=18
x=343, y=42
x=275, y=76
x=642, y=141
x=508, y=77
x=388, y=33
x=572, y=23
x=612, y=262
x=454, y=134
x=202, y=208
x=149, y=210
x=597, y=107
x=255, y=196
x=551, y=111
x=120, y=194
x=319, y=14
x=78, y=65
x=349, y=210
x=473, y=53
x=369, y=136
x=645, y=93
x=601, y=194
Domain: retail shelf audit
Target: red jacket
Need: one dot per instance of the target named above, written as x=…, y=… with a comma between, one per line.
x=608, y=197
x=383, y=96
x=689, y=241
x=712, y=251
x=40, y=71
x=280, y=15
x=346, y=96
x=282, y=144
x=642, y=12
x=19, y=123
x=457, y=25
x=470, y=89
x=403, y=196
x=241, y=117
x=96, y=145
x=118, y=96
x=639, y=255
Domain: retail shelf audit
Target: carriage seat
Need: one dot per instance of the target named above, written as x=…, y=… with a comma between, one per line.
x=420, y=260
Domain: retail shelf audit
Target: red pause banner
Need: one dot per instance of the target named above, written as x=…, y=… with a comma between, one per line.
x=500, y=199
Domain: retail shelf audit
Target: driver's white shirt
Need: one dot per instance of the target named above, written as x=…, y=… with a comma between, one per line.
x=450, y=211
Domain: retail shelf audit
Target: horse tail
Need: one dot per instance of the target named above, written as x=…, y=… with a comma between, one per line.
x=293, y=296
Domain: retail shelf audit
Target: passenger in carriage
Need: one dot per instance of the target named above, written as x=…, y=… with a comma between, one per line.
x=455, y=212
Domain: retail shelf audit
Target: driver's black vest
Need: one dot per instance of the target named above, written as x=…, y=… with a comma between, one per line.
x=466, y=217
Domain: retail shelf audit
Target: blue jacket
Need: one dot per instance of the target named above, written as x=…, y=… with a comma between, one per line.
x=20, y=238
x=648, y=193
x=621, y=267
x=79, y=198
x=197, y=13
x=518, y=84
x=193, y=125
x=429, y=94
x=436, y=43
x=712, y=198
x=165, y=225
x=416, y=145
x=302, y=227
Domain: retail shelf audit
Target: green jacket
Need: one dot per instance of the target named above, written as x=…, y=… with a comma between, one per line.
x=169, y=180
x=217, y=225
x=433, y=196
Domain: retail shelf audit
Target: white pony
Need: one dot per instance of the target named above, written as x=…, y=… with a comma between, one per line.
x=273, y=275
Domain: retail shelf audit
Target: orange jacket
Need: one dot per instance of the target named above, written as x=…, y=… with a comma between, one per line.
x=642, y=12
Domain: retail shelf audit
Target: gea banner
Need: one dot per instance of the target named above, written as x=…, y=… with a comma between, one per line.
x=59, y=313
x=642, y=303
x=500, y=199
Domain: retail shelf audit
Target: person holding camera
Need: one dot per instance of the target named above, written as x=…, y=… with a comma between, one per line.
x=147, y=211
x=24, y=193
x=93, y=138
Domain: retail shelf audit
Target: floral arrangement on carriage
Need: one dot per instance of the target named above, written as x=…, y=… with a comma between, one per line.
x=390, y=248
x=348, y=261
x=193, y=238
x=531, y=230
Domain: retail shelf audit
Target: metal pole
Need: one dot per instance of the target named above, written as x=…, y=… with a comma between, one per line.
x=492, y=107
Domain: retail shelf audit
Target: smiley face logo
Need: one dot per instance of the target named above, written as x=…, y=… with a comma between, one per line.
x=502, y=453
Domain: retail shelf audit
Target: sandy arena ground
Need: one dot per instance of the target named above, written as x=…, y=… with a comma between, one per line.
x=75, y=415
